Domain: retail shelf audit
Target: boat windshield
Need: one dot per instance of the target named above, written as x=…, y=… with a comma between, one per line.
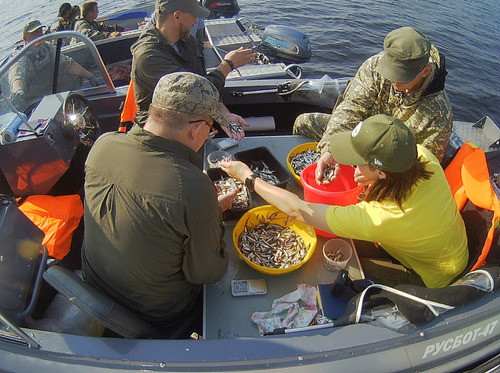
x=53, y=63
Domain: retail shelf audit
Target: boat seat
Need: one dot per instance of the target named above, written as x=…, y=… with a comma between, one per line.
x=22, y=262
x=99, y=305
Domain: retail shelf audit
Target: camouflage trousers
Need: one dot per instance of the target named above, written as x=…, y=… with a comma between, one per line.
x=311, y=125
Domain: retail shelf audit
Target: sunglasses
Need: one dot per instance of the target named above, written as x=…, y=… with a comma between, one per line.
x=213, y=131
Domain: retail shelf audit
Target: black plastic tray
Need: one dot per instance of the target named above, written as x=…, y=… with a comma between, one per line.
x=257, y=156
x=232, y=213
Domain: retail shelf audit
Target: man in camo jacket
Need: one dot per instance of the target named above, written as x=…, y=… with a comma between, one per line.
x=406, y=81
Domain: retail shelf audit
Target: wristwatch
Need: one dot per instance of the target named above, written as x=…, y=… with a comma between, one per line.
x=250, y=181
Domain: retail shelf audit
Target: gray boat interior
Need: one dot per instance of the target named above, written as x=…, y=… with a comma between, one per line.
x=466, y=336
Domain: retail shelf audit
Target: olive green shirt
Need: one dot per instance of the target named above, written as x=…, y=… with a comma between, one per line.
x=95, y=31
x=153, y=225
x=153, y=57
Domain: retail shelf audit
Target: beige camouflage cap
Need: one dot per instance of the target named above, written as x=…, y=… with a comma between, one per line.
x=189, y=6
x=406, y=52
x=32, y=26
x=188, y=93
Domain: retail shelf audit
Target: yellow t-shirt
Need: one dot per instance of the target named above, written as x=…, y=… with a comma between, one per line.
x=428, y=237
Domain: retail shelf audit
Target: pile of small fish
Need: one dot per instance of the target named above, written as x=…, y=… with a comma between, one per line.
x=265, y=173
x=235, y=127
x=329, y=171
x=336, y=256
x=216, y=164
x=301, y=160
x=272, y=245
x=226, y=185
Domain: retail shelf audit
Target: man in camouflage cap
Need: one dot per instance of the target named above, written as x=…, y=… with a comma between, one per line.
x=406, y=81
x=31, y=78
x=153, y=222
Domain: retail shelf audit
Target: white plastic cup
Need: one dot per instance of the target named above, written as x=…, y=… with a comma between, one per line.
x=216, y=156
x=339, y=250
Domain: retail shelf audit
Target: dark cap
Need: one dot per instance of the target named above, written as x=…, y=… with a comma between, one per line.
x=64, y=8
x=189, y=6
x=406, y=52
x=32, y=26
x=188, y=93
x=381, y=141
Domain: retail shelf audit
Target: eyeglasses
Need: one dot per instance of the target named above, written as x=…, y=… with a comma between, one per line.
x=213, y=131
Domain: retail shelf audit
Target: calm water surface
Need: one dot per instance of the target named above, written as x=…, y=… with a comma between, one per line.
x=344, y=33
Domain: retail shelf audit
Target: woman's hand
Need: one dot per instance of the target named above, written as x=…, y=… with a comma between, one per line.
x=322, y=162
x=236, y=169
x=360, y=178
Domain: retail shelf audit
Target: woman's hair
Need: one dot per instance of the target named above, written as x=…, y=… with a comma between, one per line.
x=397, y=186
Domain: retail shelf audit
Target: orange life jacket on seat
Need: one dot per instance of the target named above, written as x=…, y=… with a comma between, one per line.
x=57, y=217
x=469, y=181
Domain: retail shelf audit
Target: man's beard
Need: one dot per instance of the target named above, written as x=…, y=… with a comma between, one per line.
x=184, y=32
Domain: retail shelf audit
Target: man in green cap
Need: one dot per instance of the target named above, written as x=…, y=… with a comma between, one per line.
x=168, y=46
x=406, y=81
x=407, y=207
x=153, y=229
x=31, y=78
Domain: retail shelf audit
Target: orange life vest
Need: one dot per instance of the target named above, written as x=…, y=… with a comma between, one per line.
x=129, y=109
x=469, y=180
x=57, y=217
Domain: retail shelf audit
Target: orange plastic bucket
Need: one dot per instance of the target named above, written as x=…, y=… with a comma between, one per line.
x=342, y=191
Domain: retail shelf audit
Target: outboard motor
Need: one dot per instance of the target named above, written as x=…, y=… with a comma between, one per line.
x=222, y=8
x=286, y=44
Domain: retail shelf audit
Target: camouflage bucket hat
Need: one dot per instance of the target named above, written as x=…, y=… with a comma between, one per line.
x=32, y=26
x=190, y=6
x=406, y=52
x=381, y=141
x=188, y=93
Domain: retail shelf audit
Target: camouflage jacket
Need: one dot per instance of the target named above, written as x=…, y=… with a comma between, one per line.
x=36, y=71
x=94, y=30
x=427, y=112
x=65, y=24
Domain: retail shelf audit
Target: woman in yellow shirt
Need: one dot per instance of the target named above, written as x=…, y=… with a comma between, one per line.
x=408, y=208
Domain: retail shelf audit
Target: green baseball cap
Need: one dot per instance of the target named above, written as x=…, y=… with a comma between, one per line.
x=406, y=52
x=188, y=93
x=32, y=26
x=190, y=6
x=382, y=141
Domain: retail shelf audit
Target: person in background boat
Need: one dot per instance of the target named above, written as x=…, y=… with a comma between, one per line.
x=168, y=46
x=87, y=24
x=153, y=238
x=407, y=208
x=31, y=78
x=67, y=16
x=406, y=81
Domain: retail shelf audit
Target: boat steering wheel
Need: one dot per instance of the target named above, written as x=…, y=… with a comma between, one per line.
x=80, y=120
